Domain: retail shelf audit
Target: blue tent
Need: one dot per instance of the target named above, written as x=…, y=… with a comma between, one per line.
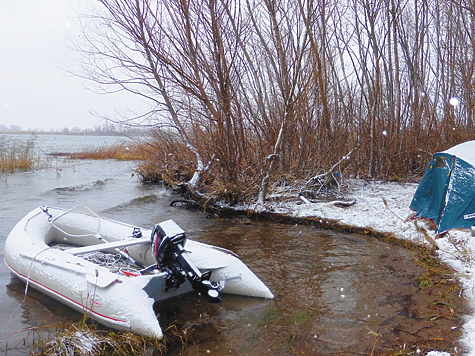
x=446, y=193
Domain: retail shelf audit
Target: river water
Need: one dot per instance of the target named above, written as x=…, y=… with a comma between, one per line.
x=334, y=292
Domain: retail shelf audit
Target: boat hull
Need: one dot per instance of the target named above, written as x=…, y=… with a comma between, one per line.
x=115, y=299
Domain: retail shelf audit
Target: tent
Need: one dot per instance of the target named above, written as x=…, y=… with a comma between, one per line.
x=446, y=193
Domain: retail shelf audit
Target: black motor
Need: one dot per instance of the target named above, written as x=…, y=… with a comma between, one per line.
x=168, y=241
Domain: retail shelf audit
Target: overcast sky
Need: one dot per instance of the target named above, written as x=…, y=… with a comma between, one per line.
x=35, y=92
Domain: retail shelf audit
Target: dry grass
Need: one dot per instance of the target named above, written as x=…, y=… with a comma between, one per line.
x=169, y=162
x=16, y=156
x=91, y=342
x=123, y=151
x=132, y=151
x=86, y=338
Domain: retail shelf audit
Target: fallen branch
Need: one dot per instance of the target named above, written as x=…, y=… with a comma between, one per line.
x=339, y=203
x=344, y=203
x=184, y=201
x=318, y=176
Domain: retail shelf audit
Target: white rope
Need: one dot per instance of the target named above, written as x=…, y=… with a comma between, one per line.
x=29, y=271
x=96, y=234
x=52, y=220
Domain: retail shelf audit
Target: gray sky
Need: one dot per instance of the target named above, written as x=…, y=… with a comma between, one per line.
x=35, y=93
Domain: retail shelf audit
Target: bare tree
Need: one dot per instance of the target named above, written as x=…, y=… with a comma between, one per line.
x=267, y=91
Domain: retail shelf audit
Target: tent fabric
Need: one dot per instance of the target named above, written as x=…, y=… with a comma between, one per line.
x=446, y=193
x=465, y=151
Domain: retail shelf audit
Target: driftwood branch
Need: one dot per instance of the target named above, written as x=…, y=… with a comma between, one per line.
x=322, y=175
x=318, y=176
x=339, y=203
x=189, y=202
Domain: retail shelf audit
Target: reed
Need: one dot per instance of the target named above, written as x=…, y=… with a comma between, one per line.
x=17, y=156
x=133, y=151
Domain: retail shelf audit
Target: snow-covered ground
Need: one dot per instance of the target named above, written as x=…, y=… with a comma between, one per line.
x=384, y=206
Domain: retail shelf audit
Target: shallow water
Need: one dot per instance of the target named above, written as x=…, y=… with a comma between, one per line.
x=334, y=293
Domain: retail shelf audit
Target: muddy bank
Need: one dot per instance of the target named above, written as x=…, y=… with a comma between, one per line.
x=425, y=313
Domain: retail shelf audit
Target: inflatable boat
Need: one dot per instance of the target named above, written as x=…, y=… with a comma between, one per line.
x=115, y=272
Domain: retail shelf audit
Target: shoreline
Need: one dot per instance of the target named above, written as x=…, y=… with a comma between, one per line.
x=381, y=209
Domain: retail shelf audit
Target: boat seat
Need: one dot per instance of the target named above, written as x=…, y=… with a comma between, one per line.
x=108, y=245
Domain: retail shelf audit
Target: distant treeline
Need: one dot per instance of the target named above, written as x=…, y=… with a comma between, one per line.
x=107, y=129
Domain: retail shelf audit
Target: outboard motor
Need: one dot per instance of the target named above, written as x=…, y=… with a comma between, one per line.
x=168, y=241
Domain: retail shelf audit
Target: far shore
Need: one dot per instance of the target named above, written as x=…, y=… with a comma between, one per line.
x=53, y=133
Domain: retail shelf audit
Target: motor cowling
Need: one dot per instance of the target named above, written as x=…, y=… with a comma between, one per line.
x=168, y=241
x=166, y=236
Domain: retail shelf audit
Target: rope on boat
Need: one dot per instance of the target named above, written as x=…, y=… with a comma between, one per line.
x=44, y=209
x=93, y=214
x=114, y=262
x=29, y=271
x=110, y=261
x=96, y=234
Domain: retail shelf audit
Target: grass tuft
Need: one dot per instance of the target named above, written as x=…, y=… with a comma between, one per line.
x=86, y=339
x=17, y=156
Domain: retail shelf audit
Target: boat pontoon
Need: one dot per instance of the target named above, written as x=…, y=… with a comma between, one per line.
x=115, y=272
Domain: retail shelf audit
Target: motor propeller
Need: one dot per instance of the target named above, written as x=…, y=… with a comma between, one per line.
x=168, y=241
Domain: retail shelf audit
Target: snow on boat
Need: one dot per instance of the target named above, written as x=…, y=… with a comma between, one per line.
x=64, y=254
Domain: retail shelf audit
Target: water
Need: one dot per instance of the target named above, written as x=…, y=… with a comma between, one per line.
x=47, y=144
x=333, y=292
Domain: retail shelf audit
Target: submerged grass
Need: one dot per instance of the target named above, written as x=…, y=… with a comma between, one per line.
x=290, y=317
x=17, y=156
